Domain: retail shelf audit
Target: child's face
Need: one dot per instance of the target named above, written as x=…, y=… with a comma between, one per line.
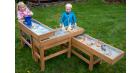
x=68, y=9
x=22, y=8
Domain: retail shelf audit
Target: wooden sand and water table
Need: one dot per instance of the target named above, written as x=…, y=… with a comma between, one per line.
x=94, y=47
x=43, y=38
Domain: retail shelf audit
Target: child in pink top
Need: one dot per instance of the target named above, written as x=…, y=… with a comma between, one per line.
x=23, y=11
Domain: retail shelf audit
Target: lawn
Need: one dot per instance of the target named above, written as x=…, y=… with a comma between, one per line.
x=106, y=22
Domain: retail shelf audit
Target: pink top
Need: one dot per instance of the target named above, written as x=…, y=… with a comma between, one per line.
x=22, y=14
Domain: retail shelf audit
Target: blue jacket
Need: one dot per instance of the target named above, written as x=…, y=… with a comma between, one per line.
x=68, y=18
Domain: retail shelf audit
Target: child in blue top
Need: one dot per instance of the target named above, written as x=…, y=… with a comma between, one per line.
x=68, y=18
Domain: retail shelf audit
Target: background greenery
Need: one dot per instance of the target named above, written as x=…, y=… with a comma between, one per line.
x=106, y=22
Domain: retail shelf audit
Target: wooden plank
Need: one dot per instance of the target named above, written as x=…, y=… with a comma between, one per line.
x=56, y=54
x=80, y=56
x=76, y=32
x=54, y=42
x=55, y=39
x=69, y=49
x=22, y=38
x=97, y=61
x=42, y=61
x=48, y=46
x=37, y=55
x=91, y=62
x=117, y=58
x=80, y=48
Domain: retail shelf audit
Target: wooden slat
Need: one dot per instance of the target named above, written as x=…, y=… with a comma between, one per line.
x=36, y=54
x=97, y=61
x=55, y=44
x=56, y=54
x=42, y=60
x=80, y=56
x=117, y=58
x=69, y=49
x=76, y=32
x=26, y=42
x=91, y=62
x=80, y=48
x=54, y=39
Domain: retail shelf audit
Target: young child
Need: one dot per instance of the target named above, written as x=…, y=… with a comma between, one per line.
x=68, y=18
x=23, y=11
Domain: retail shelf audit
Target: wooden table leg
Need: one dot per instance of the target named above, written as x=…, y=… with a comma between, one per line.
x=91, y=63
x=69, y=49
x=42, y=61
x=35, y=50
x=34, y=56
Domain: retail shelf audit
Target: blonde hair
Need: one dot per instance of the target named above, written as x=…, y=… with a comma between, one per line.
x=68, y=5
x=21, y=4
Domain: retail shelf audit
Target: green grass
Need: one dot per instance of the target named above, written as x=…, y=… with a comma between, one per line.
x=106, y=22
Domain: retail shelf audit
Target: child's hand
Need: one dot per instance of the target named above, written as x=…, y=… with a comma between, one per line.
x=60, y=25
x=63, y=28
x=75, y=24
x=69, y=27
x=31, y=13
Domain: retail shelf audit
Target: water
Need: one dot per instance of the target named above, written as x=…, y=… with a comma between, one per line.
x=39, y=29
x=60, y=32
x=103, y=48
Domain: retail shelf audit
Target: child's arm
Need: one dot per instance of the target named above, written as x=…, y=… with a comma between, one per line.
x=28, y=12
x=74, y=18
x=61, y=20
